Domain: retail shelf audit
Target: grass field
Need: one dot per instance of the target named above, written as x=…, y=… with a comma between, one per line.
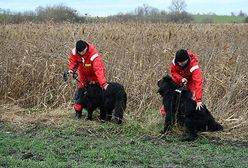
x=108, y=145
x=217, y=19
x=61, y=141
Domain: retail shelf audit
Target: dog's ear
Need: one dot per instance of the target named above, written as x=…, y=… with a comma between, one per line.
x=161, y=91
x=161, y=85
x=165, y=84
x=170, y=83
x=159, y=82
x=167, y=78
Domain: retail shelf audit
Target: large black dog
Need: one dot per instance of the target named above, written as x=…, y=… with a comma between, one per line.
x=111, y=102
x=179, y=105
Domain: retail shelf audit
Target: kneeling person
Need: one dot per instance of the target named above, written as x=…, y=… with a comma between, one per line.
x=185, y=69
x=85, y=59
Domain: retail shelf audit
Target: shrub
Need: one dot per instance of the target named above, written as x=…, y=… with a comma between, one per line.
x=246, y=19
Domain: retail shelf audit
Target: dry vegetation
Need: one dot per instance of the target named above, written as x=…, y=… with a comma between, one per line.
x=33, y=58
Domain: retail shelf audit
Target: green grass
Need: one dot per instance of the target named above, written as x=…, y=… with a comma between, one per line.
x=83, y=144
x=218, y=19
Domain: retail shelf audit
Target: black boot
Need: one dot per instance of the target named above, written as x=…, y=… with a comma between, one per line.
x=78, y=114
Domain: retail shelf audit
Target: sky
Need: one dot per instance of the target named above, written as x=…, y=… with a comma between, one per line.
x=112, y=7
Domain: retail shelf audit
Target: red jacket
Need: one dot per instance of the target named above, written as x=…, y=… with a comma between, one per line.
x=90, y=66
x=192, y=73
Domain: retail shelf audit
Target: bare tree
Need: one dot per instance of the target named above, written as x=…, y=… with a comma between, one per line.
x=241, y=13
x=139, y=11
x=177, y=12
x=146, y=10
x=178, y=6
x=154, y=11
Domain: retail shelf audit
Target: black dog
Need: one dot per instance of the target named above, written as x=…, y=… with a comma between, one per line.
x=110, y=101
x=178, y=104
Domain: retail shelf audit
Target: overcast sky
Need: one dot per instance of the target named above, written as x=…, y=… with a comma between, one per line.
x=111, y=7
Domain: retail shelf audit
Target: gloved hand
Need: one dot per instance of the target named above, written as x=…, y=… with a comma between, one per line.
x=70, y=71
x=199, y=105
x=67, y=74
x=105, y=86
x=73, y=74
x=184, y=81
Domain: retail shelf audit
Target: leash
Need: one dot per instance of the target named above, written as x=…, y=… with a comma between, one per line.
x=74, y=76
x=178, y=100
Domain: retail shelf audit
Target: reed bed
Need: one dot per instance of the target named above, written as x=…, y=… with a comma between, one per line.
x=33, y=58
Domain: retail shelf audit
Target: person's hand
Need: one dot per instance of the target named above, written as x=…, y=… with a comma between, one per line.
x=199, y=105
x=67, y=74
x=105, y=86
x=184, y=81
x=70, y=72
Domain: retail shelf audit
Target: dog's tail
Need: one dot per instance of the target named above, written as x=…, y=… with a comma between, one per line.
x=212, y=124
x=215, y=127
x=120, y=107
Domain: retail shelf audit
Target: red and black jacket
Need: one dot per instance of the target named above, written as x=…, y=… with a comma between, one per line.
x=90, y=66
x=192, y=73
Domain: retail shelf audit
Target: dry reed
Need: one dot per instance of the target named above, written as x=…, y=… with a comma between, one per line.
x=34, y=57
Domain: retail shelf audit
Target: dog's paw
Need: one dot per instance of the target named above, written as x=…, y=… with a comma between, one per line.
x=162, y=132
x=107, y=118
x=165, y=131
x=78, y=115
x=118, y=121
x=101, y=118
x=89, y=118
x=189, y=138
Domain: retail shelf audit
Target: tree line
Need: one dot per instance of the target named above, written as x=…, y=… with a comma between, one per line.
x=61, y=13
x=56, y=13
x=64, y=14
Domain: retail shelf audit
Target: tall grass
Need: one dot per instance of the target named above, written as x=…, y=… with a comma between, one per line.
x=34, y=57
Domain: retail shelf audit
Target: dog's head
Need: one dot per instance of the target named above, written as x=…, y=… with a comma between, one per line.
x=166, y=85
x=92, y=94
x=92, y=89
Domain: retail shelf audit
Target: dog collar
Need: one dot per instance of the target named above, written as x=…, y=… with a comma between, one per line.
x=178, y=91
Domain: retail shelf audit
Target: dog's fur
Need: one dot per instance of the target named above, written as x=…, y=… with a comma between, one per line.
x=111, y=102
x=178, y=104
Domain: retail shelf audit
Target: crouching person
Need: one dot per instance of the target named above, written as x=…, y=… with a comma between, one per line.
x=86, y=60
x=185, y=70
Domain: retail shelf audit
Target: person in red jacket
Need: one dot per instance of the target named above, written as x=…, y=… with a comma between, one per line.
x=85, y=59
x=186, y=70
